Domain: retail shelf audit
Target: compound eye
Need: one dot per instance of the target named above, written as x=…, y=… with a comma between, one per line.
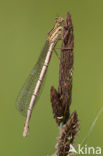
x=60, y=29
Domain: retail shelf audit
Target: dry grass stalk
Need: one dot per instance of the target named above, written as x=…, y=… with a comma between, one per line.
x=61, y=99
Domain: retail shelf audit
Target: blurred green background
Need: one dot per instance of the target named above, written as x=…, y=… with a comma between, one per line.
x=23, y=29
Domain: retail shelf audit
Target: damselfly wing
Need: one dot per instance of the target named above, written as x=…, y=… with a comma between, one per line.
x=25, y=94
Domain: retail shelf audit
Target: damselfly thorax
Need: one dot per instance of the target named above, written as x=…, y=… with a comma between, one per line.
x=56, y=33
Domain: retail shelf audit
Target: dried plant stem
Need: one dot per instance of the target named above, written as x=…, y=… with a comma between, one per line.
x=67, y=135
x=61, y=99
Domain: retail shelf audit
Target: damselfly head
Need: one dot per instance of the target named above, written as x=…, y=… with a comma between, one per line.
x=59, y=19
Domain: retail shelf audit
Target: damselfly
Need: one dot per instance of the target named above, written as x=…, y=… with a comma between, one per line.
x=27, y=96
